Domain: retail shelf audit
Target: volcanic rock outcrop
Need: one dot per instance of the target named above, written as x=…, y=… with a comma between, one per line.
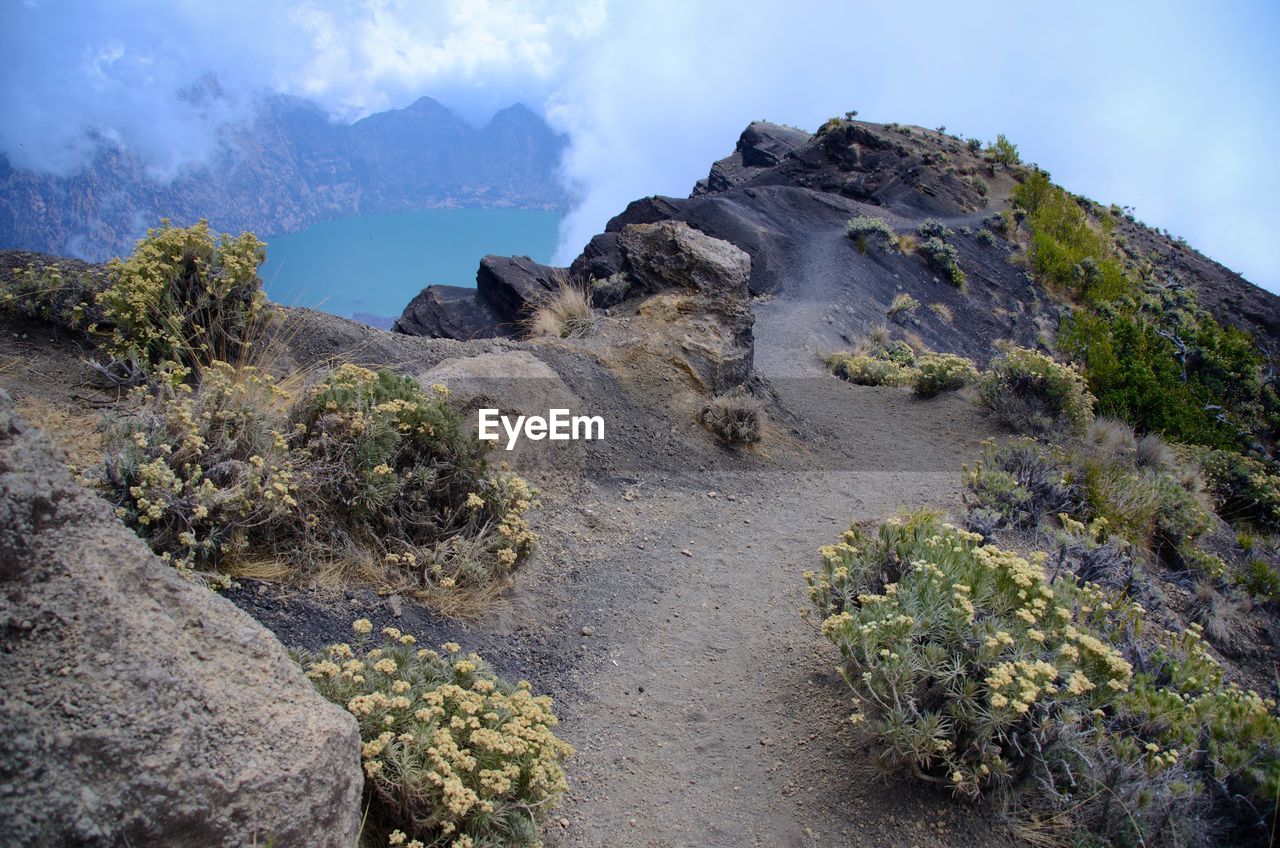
x=139, y=708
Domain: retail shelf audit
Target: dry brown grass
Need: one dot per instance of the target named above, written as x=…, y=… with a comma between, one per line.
x=564, y=313
x=76, y=435
x=907, y=243
x=943, y=311
x=735, y=418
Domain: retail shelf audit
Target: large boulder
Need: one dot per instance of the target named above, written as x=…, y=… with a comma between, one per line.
x=451, y=312
x=695, y=293
x=507, y=288
x=139, y=708
x=512, y=284
x=761, y=145
x=515, y=383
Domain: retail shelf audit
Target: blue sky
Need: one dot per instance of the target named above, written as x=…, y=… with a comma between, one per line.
x=1173, y=108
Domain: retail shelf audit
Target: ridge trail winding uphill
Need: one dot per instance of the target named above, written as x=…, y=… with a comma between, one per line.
x=714, y=716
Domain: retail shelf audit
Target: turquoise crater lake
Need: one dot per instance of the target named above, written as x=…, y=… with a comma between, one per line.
x=372, y=265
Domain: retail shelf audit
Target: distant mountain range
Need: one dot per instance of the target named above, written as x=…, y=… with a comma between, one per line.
x=287, y=169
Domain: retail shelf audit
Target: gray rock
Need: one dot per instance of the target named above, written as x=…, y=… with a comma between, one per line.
x=451, y=312
x=510, y=284
x=715, y=320
x=138, y=708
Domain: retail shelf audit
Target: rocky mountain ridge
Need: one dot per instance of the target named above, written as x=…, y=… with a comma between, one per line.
x=784, y=197
x=287, y=169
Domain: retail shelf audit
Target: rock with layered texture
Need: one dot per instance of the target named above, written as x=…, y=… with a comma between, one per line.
x=139, y=708
x=693, y=288
x=451, y=312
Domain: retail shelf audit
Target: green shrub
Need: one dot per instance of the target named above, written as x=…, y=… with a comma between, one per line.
x=903, y=304
x=1244, y=490
x=182, y=297
x=867, y=231
x=1068, y=253
x=868, y=370
x=1003, y=151
x=362, y=467
x=1203, y=389
x=975, y=670
x=985, y=236
x=1031, y=393
x=452, y=754
x=974, y=145
x=933, y=228
x=942, y=372
x=1261, y=579
x=943, y=257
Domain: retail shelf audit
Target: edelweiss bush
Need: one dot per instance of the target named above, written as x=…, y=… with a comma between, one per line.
x=1031, y=393
x=361, y=465
x=894, y=363
x=979, y=670
x=942, y=372
x=198, y=473
x=866, y=232
x=966, y=661
x=183, y=298
x=453, y=755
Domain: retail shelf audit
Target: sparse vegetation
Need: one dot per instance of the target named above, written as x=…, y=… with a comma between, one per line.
x=903, y=304
x=182, y=300
x=1030, y=393
x=362, y=471
x=942, y=372
x=452, y=754
x=885, y=362
x=867, y=232
x=735, y=418
x=986, y=237
x=943, y=311
x=944, y=258
x=976, y=669
x=564, y=313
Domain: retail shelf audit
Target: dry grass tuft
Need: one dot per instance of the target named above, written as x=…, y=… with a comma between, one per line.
x=943, y=312
x=564, y=313
x=736, y=418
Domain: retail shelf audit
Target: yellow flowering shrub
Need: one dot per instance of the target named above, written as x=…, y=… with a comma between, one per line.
x=879, y=362
x=1031, y=393
x=978, y=671
x=963, y=656
x=183, y=297
x=393, y=468
x=197, y=472
x=453, y=755
x=363, y=464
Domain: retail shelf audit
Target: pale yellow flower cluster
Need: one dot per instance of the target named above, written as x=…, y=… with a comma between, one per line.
x=470, y=743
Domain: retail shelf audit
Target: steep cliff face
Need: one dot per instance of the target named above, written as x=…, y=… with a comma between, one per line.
x=287, y=169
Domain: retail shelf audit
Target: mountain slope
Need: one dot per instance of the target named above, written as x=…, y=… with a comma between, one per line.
x=288, y=169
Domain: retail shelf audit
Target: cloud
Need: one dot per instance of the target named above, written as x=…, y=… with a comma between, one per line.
x=1171, y=107
x=161, y=79
x=1167, y=107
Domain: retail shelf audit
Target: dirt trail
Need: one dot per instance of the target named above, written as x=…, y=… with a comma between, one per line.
x=714, y=716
